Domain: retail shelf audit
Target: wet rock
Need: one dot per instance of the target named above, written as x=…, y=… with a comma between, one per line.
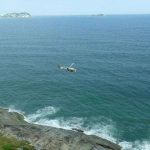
x=43, y=137
x=78, y=130
x=19, y=149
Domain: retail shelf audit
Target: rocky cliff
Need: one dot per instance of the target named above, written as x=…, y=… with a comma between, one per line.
x=50, y=138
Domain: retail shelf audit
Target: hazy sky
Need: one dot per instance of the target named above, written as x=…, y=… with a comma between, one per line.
x=75, y=7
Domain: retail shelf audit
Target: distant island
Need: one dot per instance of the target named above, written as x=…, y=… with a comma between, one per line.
x=16, y=15
x=99, y=15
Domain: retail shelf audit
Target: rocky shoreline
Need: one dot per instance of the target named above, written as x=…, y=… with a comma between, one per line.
x=50, y=138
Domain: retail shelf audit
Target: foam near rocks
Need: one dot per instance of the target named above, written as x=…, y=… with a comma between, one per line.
x=50, y=137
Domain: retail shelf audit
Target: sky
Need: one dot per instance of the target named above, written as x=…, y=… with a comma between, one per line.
x=75, y=7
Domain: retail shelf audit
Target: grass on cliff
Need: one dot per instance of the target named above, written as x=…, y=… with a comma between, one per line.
x=9, y=143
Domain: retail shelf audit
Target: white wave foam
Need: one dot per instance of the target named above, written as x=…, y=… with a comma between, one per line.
x=102, y=130
x=41, y=113
x=73, y=122
x=12, y=109
x=137, y=145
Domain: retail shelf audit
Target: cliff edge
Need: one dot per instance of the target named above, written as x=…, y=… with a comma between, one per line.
x=50, y=138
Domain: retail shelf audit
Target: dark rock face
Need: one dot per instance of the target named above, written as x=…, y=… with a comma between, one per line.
x=50, y=138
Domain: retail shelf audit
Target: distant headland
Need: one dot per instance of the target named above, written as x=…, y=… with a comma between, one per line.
x=99, y=15
x=16, y=15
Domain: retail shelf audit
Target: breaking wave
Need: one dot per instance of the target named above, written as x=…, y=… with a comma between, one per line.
x=137, y=145
x=102, y=130
x=41, y=113
x=12, y=109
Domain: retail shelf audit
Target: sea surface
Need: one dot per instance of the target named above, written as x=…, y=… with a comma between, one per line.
x=108, y=96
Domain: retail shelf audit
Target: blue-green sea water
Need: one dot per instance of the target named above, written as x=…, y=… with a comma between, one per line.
x=108, y=96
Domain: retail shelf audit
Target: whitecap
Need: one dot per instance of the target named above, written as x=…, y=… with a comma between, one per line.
x=101, y=130
x=104, y=130
x=137, y=145
x=41, y=113
x=12, y=109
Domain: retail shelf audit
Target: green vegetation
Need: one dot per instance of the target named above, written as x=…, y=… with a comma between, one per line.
x=9, y=143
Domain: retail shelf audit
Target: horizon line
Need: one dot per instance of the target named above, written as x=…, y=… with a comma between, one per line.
x=88, y=14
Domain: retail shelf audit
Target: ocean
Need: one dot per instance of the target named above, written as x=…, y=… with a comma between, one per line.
x=108, y=96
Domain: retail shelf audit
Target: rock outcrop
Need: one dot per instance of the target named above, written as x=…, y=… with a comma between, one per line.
x=50, y=138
